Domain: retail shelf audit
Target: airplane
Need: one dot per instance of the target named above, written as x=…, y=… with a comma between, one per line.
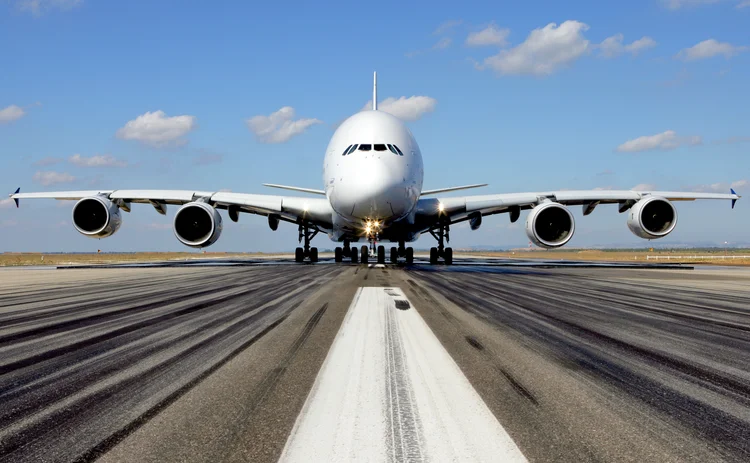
x=373, y=175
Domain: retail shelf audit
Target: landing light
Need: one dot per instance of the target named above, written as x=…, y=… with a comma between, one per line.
x=441, y=207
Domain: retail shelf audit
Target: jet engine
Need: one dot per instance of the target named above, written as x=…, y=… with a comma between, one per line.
x=550, y=225
x=197, y=225
x=96, y=217
x=652, y=217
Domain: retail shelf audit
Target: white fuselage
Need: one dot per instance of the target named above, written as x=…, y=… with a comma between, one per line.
x=372, y=183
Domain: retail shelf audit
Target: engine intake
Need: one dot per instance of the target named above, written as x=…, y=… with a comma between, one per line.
x=197, y=225
x=652, y=217
x=96, y=217
x=550, y=225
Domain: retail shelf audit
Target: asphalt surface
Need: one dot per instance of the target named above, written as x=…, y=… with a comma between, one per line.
x=214, y=363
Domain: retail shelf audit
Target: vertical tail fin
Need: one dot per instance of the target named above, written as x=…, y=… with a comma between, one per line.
x=375, y=91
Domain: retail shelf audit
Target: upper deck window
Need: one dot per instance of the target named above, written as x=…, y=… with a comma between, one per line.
x=380, y=147
x=365, y=147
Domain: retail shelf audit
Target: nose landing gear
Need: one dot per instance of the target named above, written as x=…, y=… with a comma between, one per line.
x=306, y=251
x=442, y=235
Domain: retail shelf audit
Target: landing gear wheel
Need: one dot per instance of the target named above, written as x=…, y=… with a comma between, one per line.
x=394, y=255
x=381, y=254
x=433, y=256
x=410, y=255
x=448, y=256
x=355, y=255
x=313, y=254
x=364, y=254
x=299, y=255
x=338, y=254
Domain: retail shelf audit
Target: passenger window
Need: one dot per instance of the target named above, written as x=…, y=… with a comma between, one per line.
x=393, y=150
x=380, y=147
x=346, y=151
x=352, y=149
x=365, y=147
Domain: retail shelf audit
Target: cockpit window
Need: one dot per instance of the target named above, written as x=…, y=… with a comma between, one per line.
x=380, y=147
x=346, y=151
x=365, y=147
x=398, y=151
x=393, y=150
x=350, y=150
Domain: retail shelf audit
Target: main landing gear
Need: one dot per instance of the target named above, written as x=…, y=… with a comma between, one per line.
x=442, y=235
x=300, y=253
x=347, y=252
x=363, y=254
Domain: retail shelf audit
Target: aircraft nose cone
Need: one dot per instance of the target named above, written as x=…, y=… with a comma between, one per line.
x=375, y=192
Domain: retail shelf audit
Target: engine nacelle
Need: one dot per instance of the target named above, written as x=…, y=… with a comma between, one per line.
x=475, y=220
x=652, y=217
x=96, y=217
x=550, y=225
x=197, y=225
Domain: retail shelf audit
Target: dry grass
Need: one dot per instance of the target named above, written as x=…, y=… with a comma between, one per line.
x=20, y=259
x=723, y=258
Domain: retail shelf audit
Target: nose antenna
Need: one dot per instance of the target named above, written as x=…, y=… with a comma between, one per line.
x=375, y=91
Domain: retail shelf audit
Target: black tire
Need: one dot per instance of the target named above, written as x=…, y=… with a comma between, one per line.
x=299, y=255
x=381, y=254
x=409, y=255
x=433, y=256
x=355, y=255
x=364, y=254
x=313, y=254
x=338, y=254
x=448, y=257
x=394, y=255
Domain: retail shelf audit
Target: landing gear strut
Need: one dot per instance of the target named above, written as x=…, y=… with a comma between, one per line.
x=306, y=234
x=442, y=235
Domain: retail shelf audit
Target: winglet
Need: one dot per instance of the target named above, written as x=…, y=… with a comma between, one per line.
x=734, y=200
x=16, y=199
x=375, y=91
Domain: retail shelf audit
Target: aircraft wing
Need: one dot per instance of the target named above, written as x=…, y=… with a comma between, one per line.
x=430, y=211
x=287, y=208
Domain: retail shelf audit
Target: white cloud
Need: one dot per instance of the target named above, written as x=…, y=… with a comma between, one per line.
x=443, y=43
x=664, y=141
x=406, y=109
x=99, y=160
x=280, y=126
x=48, y=178
x=612, y=46
x=491, y=35
x=37, y=7
x=720, y=187
x=7, y=203
x=155, y=128
x=11, y=113
x=447, y=26
x=644, y=187
x=543, y=52
x=708, y=49
x=743, y=4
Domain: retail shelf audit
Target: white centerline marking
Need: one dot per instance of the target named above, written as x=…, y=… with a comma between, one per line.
x=389, y=391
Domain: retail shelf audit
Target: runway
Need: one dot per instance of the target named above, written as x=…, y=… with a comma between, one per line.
x=227, y=362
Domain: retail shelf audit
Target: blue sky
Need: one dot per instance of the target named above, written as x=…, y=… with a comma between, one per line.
x=535, y=96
